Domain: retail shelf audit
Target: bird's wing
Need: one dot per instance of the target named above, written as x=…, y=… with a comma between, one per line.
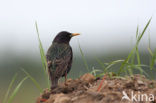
x=59, y=60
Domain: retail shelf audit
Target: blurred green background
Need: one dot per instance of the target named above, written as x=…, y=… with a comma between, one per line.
x=107, y=31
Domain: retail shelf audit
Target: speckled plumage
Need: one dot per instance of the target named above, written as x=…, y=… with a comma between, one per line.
x=59, y=57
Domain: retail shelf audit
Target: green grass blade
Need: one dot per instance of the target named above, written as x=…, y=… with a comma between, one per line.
x=126, y=71
x=16, y=90
x=94, y=71
x=149, y=41
x=132, y=57
x=137, y=31
x=141, y=70
x=134, y=50
x=9, y=88
x=33, y=80
x=140, y=36
x=143, y=65
x=83, y=57
x=153, y=60
x=130, y=71
x=150, y=51
x=138, y=56
x=111, y=64
x=43, y=57
x=125, y=62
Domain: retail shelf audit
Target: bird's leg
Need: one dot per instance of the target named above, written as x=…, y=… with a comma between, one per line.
x=65, y=79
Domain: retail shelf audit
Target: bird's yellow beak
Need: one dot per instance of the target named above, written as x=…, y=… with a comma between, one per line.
x=75, y=34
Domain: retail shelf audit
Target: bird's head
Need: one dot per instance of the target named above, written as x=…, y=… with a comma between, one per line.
x=64, y=37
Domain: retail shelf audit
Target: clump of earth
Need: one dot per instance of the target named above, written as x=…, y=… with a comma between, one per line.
x=88, y=89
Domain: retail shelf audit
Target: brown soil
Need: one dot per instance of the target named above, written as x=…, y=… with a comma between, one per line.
x=84, y=90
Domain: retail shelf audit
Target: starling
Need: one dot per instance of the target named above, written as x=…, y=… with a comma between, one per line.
x=59, y=57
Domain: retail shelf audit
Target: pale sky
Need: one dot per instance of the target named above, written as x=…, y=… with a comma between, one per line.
x=106, y=24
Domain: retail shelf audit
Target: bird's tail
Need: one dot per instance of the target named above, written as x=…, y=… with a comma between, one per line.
x=54, y=83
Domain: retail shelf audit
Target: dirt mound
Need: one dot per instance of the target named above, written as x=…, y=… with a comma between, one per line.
x=136, y=89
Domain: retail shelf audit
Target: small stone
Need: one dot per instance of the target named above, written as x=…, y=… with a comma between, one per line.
x=140, y=82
